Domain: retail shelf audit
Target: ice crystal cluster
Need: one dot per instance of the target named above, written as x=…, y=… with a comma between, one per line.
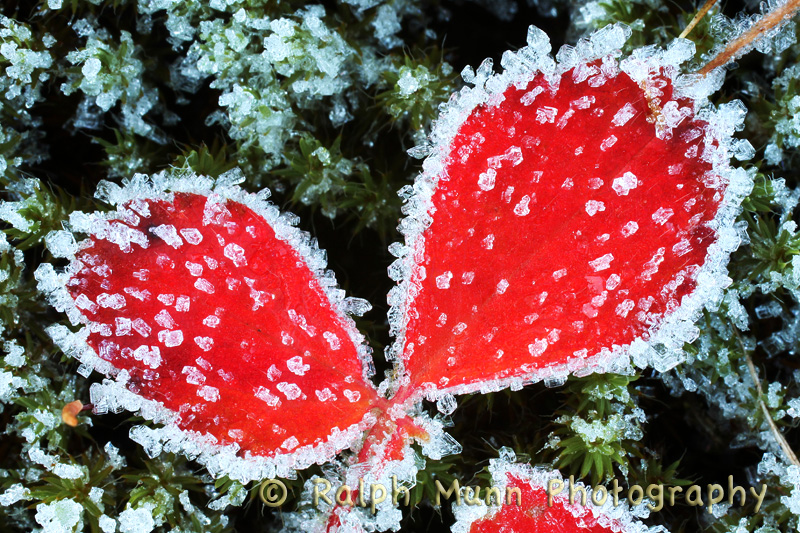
x=112, y=111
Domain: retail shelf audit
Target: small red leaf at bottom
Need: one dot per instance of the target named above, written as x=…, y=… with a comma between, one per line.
x=527, y=506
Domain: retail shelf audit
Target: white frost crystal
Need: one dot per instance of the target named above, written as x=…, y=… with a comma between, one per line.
x=136, y=520
x=13, y=494
x=625, y=183
x=59, y=516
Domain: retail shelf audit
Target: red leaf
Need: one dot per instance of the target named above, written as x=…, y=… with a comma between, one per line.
x=530, y=510
x=223, y=321
x=566, y=222
x=535, y=516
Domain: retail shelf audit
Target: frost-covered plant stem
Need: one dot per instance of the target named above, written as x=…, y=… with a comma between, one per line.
x=773, y=20
x=787, y=450
x=698, y=17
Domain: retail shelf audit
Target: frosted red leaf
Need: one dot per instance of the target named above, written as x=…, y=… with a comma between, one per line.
x=569, y=218
x=215, y=317
x=535, y=516
x=532, y=509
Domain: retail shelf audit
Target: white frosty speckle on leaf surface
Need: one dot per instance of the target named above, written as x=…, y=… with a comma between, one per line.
x=205, y=343
x=325, y=394
x=162, y=318
x=195, y=269
x=114, y=301
x=623, y=185
x=296, y=366
x=661, y=215
x=290, y=390
x=630, y=228
x=210, y=394
x=169, y=234
x=193, y=375
x=204, y=286
x=502, y=285
x=192, y=235
x=537, y=348
x=170, y=338
x=182, y=304
x=522, y=209
x=594, y=206
x=608, y=142
x=624, y=115
x=601, y=263
x=352, y=396
x=263, y=393
x=235, y=253
x=486, y=180
x=332, y=340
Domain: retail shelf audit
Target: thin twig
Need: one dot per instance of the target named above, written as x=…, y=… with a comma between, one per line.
x=775, y=431
x=697, y=18
x=776, y=17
